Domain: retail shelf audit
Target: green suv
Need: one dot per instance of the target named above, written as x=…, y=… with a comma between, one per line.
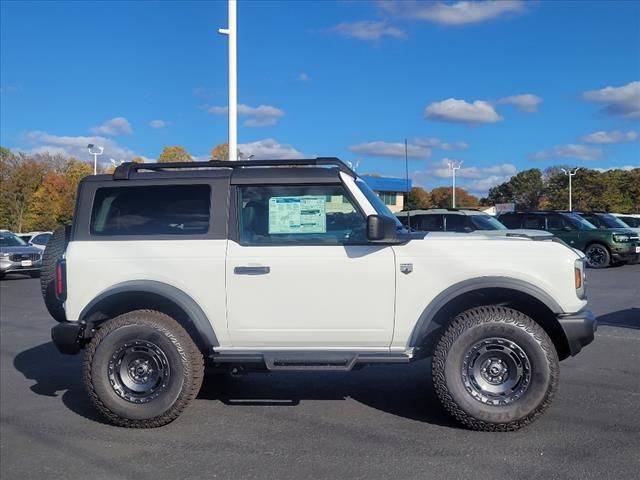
x=602, y=247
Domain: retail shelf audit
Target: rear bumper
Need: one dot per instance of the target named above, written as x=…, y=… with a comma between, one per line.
x=579, y=328
x=68, y=336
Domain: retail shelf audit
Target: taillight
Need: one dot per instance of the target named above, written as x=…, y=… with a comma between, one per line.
x=61, y=280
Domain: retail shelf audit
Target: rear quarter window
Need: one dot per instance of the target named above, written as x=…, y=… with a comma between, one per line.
x=151, y=210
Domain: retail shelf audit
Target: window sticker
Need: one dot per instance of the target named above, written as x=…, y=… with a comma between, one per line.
x=304, y=214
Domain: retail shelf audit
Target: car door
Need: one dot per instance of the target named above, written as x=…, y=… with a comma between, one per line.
x=562, y=228
x=301, y=274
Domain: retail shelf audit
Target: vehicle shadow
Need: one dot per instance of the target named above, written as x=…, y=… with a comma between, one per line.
x=55, y=375
x=628, y=318
x=402, y=390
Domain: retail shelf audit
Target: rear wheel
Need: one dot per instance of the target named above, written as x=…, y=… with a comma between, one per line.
x=55, y=249
x=142, y=369
x=495, y=369
x=598, y=256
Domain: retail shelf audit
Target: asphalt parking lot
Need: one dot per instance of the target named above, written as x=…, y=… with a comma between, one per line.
x=379, y=422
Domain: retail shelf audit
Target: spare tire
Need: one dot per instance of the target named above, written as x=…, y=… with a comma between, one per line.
x=56, y=246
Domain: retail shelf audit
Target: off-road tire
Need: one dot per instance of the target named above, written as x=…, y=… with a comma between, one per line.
x=603, y=251
x=477, y=325
x=56, y=246
x=185, y=363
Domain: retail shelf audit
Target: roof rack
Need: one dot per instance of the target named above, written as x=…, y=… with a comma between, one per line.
x=123, y=171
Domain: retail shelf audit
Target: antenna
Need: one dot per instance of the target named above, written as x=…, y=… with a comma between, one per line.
x=406, y=171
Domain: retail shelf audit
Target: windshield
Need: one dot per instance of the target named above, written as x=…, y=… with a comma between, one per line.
x=612, y=222
x=8, y=239
x=377, y=203
x=486, y=222
x=580, y=223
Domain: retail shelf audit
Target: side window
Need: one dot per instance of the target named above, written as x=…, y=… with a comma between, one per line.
x=151, y=210
x=511, y=220
x=295, y=214
x=555, y=222
x=533, y=222
x=428, y=223
x=456, y=223
x=41, y=239
x=595, y=220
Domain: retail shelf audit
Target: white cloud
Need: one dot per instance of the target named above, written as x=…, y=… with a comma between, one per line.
x=526, y=102
x=624, y=167
x=261, y=116
x=158, y=124
x=455, y=14
x=269, y=149
x=460, y=111
x=437, y=143
x=77, y=146
x=368, y=30
x=441, y=170
x=391, y=150
x=115, y=126
x=581, y=152
x=623, y=101
x=303, y=77
x=610, y=137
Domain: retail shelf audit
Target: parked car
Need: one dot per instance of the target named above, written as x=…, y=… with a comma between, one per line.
x=37, y=239
x=606, y=221
x=602, y=247
x=632, y=220
x=17, y=256
x=460, y=220
x=297, y=265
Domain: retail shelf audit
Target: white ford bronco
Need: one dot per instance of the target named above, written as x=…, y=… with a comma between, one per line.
x=297, y=265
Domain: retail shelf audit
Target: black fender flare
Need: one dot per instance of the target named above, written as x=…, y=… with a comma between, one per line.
x=423, y=324
x=195, y=314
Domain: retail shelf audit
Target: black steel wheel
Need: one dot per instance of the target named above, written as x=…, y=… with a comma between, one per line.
x=142, y=369
x=597, y=256
x=495, y=369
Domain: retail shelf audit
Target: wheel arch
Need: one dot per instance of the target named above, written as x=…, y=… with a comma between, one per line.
x=148, y=294
x=517, y=294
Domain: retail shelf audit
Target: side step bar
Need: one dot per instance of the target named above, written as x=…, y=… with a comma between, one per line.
x=309, y=360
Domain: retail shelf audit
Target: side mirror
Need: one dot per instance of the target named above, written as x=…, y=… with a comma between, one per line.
x=381, y=229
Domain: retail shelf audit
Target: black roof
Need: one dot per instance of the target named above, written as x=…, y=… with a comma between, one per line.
x=124, y=171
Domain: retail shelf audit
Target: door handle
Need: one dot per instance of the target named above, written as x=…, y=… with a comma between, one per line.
x=251, y=270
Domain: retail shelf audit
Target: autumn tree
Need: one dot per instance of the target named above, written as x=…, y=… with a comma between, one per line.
x=20, y=178
x=221, y=152
x=137, y=160
x=418, y=198
x=174, y=153
x=441, y=197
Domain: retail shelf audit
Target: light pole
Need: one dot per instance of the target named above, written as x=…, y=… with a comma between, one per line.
x=98, y=151
x=231, y=31
x=453, y=167
x=570, y=173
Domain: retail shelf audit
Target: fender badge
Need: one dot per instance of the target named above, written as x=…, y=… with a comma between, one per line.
x=406, y=268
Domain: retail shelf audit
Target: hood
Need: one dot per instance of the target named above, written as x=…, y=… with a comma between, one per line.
x=20, y=249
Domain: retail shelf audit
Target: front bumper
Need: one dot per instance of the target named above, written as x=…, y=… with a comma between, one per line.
x=625, y=252
x=579, y=328
x=9, y=266
x=68, y=337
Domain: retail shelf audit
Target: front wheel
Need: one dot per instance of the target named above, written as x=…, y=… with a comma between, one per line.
x=495, y=369
x=142, y=369
x=598, y=256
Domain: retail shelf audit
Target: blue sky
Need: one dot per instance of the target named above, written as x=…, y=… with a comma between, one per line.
x=503, y=86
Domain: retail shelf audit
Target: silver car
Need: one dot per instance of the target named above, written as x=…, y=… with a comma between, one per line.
x=17, y=256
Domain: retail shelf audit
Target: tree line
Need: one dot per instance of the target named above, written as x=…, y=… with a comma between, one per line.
x=37, y=192
x=535, y=189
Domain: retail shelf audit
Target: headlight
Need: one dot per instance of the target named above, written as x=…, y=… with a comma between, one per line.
x=580, y=278
x=621, y=238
